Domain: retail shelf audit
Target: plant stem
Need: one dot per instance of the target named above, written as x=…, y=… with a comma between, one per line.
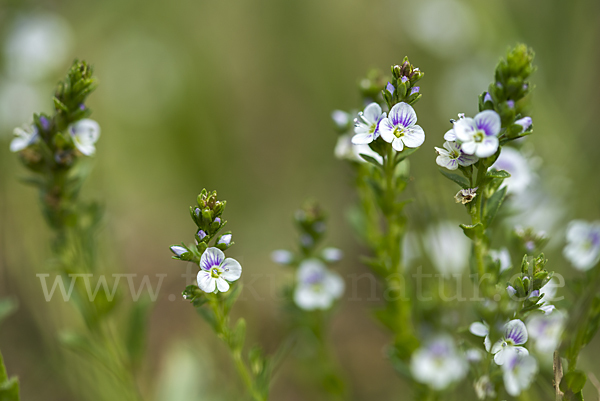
x=479, y=241
x=3, y=375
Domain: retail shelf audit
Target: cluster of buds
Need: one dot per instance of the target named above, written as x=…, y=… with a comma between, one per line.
x=510, y=86
x=527, y=286
x=402, y=87
x=207, y=216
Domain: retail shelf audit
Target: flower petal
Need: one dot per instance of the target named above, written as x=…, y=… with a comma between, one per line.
x=222, y=285
x=386, y=130
x=211, y=257
x=479, y=329
x=468, y=148
x=489, y=122
x=362, y=139
x=334, y=285
x=464, y=129
x=450, y=135
x=397, y=144
x=487, y=147
x=205, y=281
x=414, y=137
x=372, y=112
x=516, y=331
x=403, y=114
x=232, y=270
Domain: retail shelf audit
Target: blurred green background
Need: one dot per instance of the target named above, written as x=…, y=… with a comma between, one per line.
x=236, y=96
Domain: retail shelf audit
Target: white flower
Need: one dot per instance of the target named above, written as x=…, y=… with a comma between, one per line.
x=317, y=287
x=479, y=135
x=447, y=247
x=515, y=335
x=512, y=161
x=400, y=128
x=345, y=150
x=438, y=364
x=85, y=133
x=332, y=254
x=215, y=269
x=546, y=331
x=583, y=244
x=502, y=256
x=23, y=137
x=451, y=156
x=518, y=371
x=282, y=257
x=367, y=125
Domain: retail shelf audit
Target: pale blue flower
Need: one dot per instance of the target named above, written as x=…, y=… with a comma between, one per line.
x=451, y=156
x=515, y=335
x=25, y=136
x=583, y=244
x=519, y=370
x=317, y=287
x=85, y=134
x=282, y=257
x=438, y=364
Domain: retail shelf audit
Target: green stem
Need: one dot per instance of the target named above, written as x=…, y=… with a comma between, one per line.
x=3, y=374
x=479, y=242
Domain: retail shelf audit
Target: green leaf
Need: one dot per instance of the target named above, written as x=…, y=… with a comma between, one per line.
x=136, y=332
x=7, y=307
x=232, y=296
x=459, y=179
x=472, y=231
x=370, y=159
x=493, y=173
x=493, y=205
x=404, y=154
x=573, y=381
x=9, y=390
x=238, y=336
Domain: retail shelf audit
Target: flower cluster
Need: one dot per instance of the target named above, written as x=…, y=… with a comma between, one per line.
x=316, y=286
x=216, y=271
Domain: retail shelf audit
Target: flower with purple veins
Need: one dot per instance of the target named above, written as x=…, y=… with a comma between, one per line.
x=317, y=287
x=216, y=271
x=515, y=335
x=400, y=128
x=366, y=126
x=451, y=156
x=479, y=136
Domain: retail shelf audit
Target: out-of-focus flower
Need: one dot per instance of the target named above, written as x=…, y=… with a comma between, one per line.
x=85, y=134
x=215, y=269
x=400, y=128
x=331, y=254
x=367, y=125
x=484, y=388
x=515, y=335
x=546, y=330
x=282, y=257
x=317, y=287
x=341, y=119
x=36, y=46
x=345, y=150
x=18, y=101
x=583, y=244
x=482, y=330
x=438, y=364
x=23, y=137
x=512, y=161
x=447, y=247
x=518, y=370
x=479, y=135
x=451, y=156
x=465, y=196
x=503, y=257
